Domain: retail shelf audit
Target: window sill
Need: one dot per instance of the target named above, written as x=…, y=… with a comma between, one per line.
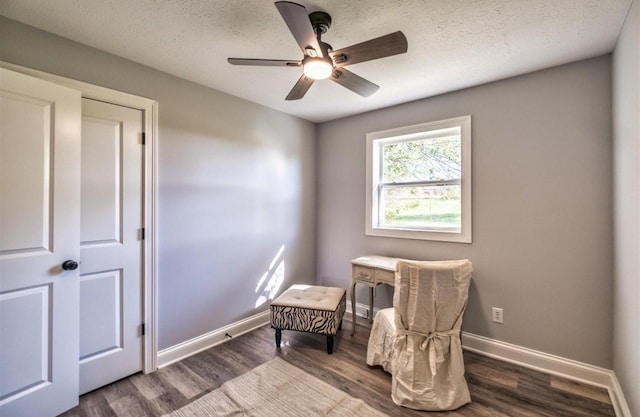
x=439, y=236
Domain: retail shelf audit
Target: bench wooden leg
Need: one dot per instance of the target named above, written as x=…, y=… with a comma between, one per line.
x=278, y=337
x=329, y=344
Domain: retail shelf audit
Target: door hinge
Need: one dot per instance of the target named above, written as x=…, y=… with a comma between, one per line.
x=143, y=138
x=142, y=233
x=142, y=329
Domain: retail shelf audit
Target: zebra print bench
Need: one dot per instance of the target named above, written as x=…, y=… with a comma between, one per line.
x=309, y=308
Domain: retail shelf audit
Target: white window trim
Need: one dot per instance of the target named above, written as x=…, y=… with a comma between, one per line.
x=372, y=174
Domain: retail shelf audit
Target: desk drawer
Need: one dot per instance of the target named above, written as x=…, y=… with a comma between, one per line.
x=385, y=276
x=362, y=273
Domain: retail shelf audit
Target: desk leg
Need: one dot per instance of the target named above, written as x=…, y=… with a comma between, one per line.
x=370, y=303
x=353, y=307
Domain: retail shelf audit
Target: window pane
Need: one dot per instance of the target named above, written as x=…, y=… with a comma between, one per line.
x=422, y=160
x=437, y=207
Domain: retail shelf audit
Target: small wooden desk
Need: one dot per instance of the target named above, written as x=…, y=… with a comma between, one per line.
x=370, y=270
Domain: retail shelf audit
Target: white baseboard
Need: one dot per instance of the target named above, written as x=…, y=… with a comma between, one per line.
x=198, y=344
x=539, y=361
x=536, y=360
x=617, y=399
x=362, y=310
x=550, y=364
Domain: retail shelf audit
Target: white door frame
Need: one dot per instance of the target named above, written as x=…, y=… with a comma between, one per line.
x=149, y=107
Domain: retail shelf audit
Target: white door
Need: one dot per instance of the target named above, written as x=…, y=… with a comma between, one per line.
x=111, y=313
x=39, y=231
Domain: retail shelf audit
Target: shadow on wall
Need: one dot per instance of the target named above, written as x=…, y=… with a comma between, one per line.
x=475, y=308
x=271, y=280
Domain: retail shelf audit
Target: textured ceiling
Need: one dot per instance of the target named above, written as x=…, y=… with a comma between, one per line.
x=453, y=44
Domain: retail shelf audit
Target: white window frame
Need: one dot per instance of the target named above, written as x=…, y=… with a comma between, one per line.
x=375, y=140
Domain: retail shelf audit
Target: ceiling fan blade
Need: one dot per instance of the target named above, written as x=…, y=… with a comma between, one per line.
x=264, y=62
x=296, y=17
x=300, y=89
x=354, y=82
x=387, y=45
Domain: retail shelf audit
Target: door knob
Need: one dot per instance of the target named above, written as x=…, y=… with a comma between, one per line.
x=69, y=265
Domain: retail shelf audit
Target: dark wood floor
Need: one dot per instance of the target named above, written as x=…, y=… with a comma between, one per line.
x=497, y=388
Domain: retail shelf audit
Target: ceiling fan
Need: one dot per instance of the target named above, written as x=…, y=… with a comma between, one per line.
x=320, y=61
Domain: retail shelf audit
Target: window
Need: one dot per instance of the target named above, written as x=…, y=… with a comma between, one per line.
x=419, y=181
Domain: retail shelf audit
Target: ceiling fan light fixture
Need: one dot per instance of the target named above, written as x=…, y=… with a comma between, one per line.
x=317, y=68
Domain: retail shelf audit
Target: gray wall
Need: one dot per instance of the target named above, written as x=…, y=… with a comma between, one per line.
x=236, y=183
x=626, y=112
x=542, y=206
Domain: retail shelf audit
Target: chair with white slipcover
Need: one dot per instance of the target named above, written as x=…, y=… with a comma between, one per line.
x=418, y=340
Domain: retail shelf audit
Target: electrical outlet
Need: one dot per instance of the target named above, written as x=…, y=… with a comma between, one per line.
x=496, y=315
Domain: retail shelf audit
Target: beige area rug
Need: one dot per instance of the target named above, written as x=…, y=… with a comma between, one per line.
x=279, y=389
